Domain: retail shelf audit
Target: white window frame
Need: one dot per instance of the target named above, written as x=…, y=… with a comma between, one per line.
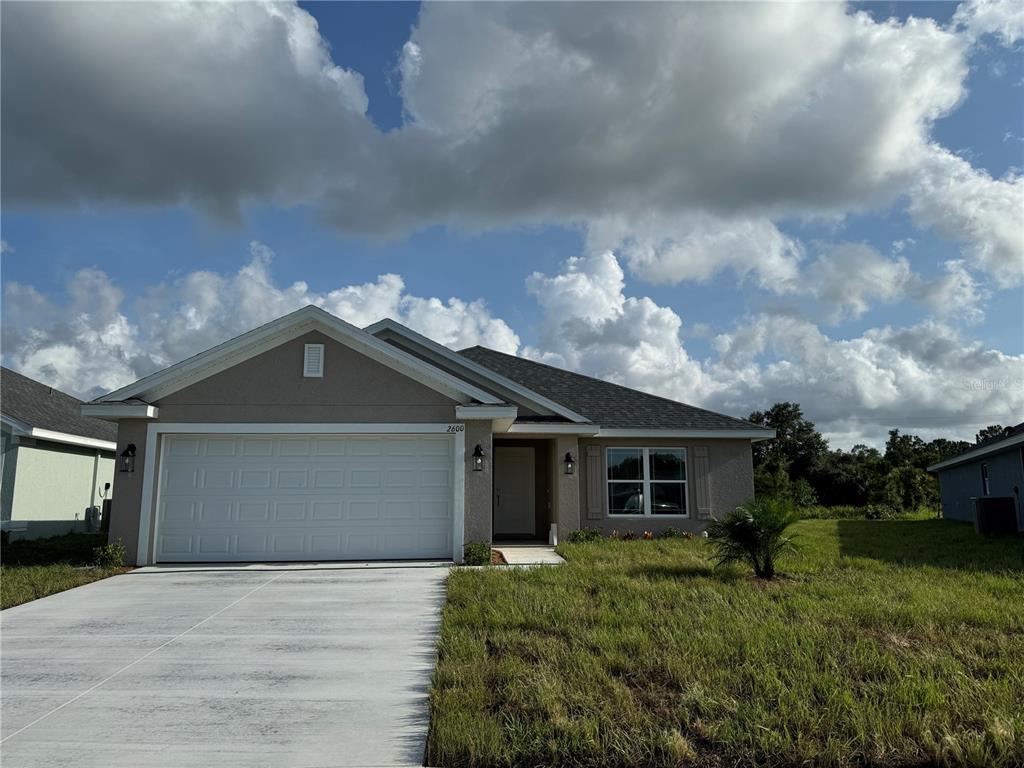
x=318, y=374
x=646, y=481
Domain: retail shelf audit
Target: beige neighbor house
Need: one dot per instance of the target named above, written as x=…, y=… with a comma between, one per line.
x=310, y=439
x=57, y=464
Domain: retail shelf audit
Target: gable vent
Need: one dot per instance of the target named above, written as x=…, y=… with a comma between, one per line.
x=313, y=363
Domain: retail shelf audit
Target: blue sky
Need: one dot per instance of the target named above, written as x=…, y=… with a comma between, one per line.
x=455, y=248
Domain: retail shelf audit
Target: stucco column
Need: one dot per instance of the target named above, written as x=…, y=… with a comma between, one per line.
x=566, y=487
x=126, y=498
x=478, y=484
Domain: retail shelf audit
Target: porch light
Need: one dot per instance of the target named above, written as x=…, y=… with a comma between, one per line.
x=126, y=461
x=478, y=458
x=570, y=464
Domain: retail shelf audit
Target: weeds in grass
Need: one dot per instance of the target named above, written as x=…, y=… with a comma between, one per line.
x=890, y=643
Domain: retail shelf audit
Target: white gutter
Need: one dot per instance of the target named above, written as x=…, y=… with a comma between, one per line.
x=740, y=434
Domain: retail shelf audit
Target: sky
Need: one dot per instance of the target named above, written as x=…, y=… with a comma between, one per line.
x=727, y=204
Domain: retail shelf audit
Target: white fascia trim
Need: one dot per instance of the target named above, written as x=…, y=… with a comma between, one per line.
x=115, y=411
x=742, y=434
x=154, y=430
x=528, y=428
x=270, y=335
x=63, y=437
x=21, y=429
x=487, y=374
x=978, y=453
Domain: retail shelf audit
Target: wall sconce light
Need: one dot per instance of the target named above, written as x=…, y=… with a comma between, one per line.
x=478, y=459
x=570, y=464
x=126, y=461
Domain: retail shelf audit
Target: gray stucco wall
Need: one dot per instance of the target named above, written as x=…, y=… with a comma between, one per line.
x=271, y=388
x=960, y=484
x=730, y=480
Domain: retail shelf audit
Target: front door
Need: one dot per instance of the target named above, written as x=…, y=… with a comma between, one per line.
x=514, y=492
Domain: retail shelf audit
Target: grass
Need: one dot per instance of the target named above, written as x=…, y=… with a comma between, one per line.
x=39, y=567
x=886, y=643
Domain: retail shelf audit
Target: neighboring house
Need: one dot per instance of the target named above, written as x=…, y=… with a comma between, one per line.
x=55, y=460
x=311, y=439
x=992, y=472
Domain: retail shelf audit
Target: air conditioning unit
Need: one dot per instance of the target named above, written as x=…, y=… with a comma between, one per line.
x=995, y=514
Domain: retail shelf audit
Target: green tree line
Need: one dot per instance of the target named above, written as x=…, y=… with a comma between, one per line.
x=799, y=466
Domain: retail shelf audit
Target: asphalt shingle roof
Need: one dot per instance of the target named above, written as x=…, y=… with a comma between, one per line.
x=609, y=405
x=43, y=407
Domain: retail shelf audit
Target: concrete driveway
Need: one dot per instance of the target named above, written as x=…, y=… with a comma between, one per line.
x=224, y=667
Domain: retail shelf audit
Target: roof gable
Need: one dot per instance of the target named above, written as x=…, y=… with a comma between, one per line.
x=613, y=406
x=464, y=367
x=34, y=405
x=286, y=328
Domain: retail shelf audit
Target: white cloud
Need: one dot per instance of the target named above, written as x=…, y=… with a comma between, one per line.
x=927, y=377
x=850, y=276
x=1002, y=18
x=589, y=325
x=683, y=131
x=847, y=279
x=158, y=103
x=102, y=345
x=696, y=246
x=965, y=204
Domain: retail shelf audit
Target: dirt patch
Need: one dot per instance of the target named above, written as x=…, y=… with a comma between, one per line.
x=497, y=558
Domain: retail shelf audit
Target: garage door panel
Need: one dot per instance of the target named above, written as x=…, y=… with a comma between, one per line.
x=316, y=497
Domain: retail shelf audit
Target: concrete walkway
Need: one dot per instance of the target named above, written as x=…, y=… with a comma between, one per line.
x=530, y=554
x=223, y=666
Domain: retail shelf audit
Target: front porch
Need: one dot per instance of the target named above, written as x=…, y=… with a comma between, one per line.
x=522, y=497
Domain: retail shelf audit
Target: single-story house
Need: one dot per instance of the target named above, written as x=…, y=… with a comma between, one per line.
x=311, y=439
x=988, y=478
x=57, y=463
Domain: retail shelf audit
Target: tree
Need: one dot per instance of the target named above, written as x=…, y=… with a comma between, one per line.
x=989, y=433
x=797, y=446
x=904, y=450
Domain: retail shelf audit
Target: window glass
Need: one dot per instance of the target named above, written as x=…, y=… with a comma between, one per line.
x=667, y=464
x=625, y=464
x=625, y=498
x=668, y=499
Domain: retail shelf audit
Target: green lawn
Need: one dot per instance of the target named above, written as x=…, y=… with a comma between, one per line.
x=886, y=643
x=41, y=567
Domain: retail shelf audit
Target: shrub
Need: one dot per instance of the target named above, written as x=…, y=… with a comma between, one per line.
x=110, y=555
x=753, y=534
x=477, y=553
x=584, y=535
x=628, y=535
x=881, y=512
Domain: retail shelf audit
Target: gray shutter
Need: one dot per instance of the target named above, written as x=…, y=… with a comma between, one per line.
x=701, y=474
x=595, y=483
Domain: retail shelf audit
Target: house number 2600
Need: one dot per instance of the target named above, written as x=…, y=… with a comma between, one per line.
x=456, y=427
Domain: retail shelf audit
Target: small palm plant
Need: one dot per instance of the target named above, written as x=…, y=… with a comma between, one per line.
x=754, y=533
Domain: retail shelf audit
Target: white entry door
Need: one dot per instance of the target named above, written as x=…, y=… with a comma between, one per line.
x=261, y=498
x=514, y=491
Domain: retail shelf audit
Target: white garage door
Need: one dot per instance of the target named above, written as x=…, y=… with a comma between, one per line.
x=261, y=498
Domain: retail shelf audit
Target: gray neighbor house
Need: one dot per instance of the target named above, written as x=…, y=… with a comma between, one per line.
x=983, y=485
x=311, y=439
